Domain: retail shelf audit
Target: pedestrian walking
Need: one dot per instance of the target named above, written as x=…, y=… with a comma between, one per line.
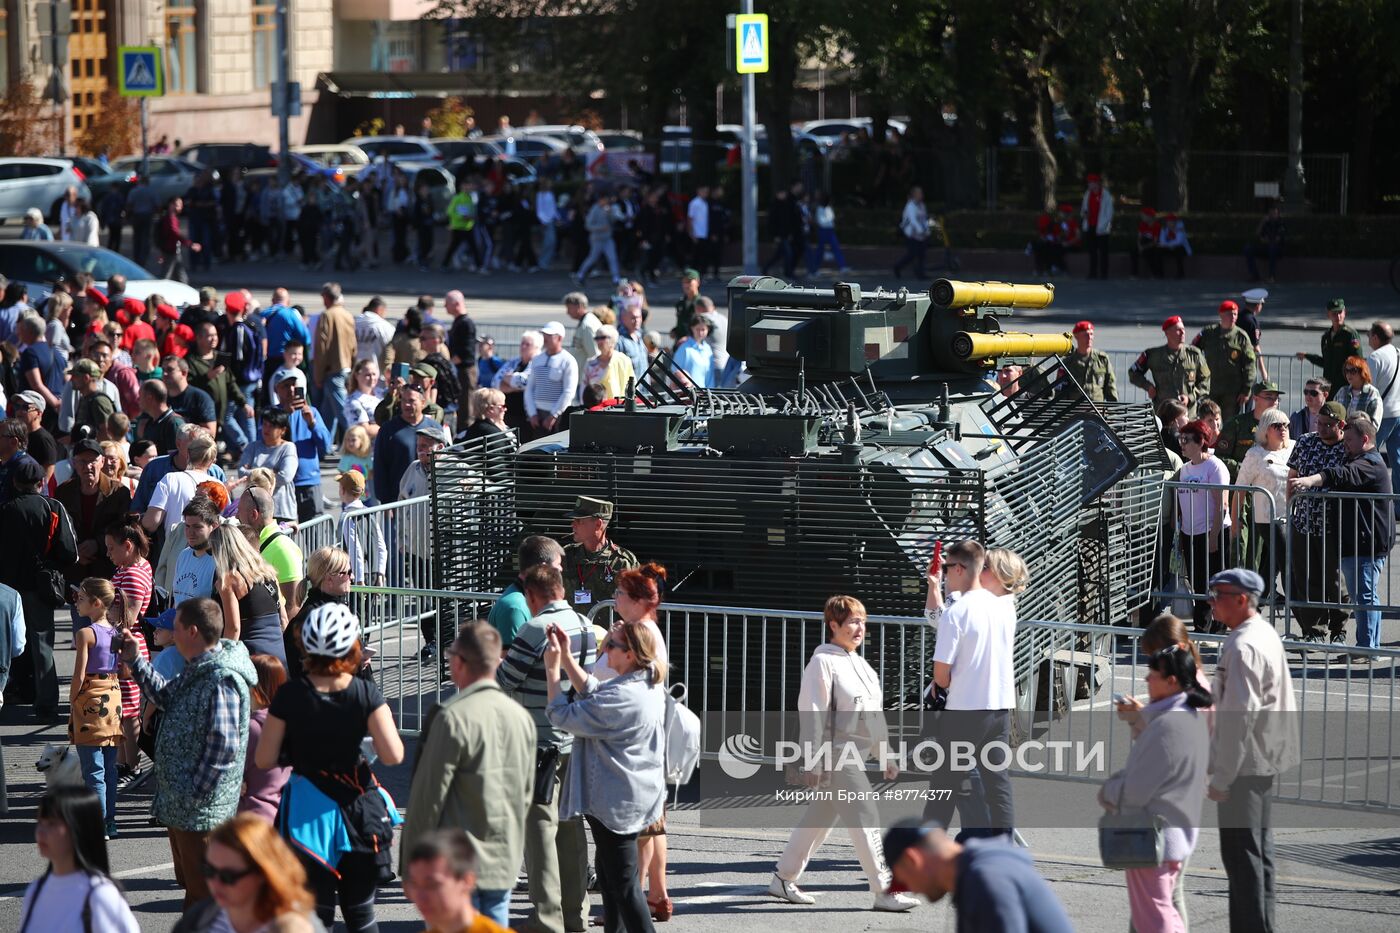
x=1337, y=344
x=1166, y=767
x=841, y=697
x=1255, y=740
x=617, y=779
x=475, y=771
x=248, y=593
x=316, y=724
x=440, y=880
x=76, y=890
x=601, y=245
x=914, y=227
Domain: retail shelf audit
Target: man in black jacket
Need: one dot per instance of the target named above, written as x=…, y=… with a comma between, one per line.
x=1367, y=526
x=35, y=534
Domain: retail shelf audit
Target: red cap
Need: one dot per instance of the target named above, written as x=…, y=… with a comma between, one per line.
x=1227, y=306
x=235, y=302
x=1067, y=207
x=166, y=311
x=1150, y=212
x=1091, y=177
x=1084, y=326
x=1169, y=217
x=92, y=292
x=1173, y=321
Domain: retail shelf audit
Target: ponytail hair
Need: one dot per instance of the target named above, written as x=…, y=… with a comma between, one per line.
x=128, y=530
x=1176, y=661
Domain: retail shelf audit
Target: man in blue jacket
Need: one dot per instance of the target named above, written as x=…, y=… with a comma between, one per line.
x=310, y=437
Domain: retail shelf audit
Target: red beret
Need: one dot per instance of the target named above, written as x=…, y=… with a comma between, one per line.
x=1228, y=306
x=1150, y=212
x=166, y=311
x=1169, y=217
x=1084, y=325
x=93, y=293
x=1173, y=321
x=1091, y=177
x=1067, y=207
x=235, y=302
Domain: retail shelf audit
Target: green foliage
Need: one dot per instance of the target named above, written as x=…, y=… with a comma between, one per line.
x=449, y=119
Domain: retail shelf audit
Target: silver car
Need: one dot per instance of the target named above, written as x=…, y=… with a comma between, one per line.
x=41, y=183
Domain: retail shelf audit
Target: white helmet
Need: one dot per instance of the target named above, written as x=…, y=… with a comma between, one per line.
x=330, y=630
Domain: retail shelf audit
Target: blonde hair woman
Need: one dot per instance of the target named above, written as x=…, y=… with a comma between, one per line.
x=115, y=467
x=841, y=693
x=487, y=408
x=327, y=581
x=248, y=592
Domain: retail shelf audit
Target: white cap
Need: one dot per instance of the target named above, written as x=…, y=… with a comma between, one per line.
x=282, y=375
x=1255, y=295
x=553, y=327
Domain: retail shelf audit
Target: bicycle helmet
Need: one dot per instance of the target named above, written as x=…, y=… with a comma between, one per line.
x=330, y=630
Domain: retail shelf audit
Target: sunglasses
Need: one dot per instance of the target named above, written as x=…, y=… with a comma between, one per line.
x=1351, y=369
x=609, y=645
x=225, y=876
x=1312, y=393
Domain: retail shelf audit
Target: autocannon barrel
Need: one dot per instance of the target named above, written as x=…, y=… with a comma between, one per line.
x=955, y=295
x=969, y=346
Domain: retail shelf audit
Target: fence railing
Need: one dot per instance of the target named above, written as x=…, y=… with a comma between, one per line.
x=1289, y=372
x=315, y=534
x=389, y=544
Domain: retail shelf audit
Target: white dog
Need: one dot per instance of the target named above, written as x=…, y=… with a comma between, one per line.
x=59, y=766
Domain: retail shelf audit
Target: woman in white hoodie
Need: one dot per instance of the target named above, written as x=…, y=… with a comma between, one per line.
x=841, y=700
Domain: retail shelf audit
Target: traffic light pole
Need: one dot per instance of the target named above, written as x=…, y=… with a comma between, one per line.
x=748, y=177
x=284, y=164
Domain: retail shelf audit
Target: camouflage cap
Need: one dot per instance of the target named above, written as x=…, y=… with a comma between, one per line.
x=1335, y=410
x=588, y=507
x=1267, y=386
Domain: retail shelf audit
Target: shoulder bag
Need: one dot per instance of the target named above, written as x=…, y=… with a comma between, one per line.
x=52, y=585
x=1131, y=839
x=794, y=773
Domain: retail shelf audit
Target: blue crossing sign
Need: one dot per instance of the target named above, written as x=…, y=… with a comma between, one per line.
x=139, y=71
x=751, y=43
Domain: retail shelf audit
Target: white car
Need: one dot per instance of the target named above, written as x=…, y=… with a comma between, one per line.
x=584, y=142
x=349, y=159
x=41, y=263
x=41, y=183
x=396, y=148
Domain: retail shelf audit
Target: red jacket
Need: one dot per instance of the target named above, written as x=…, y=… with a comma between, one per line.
x=169, y=234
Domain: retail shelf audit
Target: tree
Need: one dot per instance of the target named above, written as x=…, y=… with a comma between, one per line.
x=1174, y=48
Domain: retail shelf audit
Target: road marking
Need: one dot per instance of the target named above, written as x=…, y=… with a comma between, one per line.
x=129, y=873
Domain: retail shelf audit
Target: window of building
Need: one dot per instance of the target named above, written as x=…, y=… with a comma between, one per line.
x=87, y=60
x=465, y=50
x=181, y=47
x=264, y=44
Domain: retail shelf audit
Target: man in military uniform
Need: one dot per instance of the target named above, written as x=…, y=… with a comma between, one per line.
x=685, y=308
x=1091, y=368
x=592, y=562
x=1237, y=434
x=1178, y=371
x=1251, y=306
x=1338, y=342
x=1230, y=354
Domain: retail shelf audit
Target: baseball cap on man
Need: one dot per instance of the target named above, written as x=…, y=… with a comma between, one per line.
x=1334, y=410
x=27, y=472
x=32, y=399
x=86, y=446
x=282, y=375
x=589, y=507
x=902, y=836
x=1267, y=386
x=85, y=368
x=424, y=370
x=1335, y=304
x=1171, y=322
x=553, y=328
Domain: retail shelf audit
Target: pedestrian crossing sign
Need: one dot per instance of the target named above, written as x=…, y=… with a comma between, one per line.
x=751, y=43
x=139, y=72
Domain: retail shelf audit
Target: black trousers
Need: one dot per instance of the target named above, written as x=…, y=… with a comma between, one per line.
x=38, y=629
x=1267, y=544
x=460, y=237
x=1096, y=245
x=914, y=251
x=987, y=800
x=354, y=890
x=309, y=503
x=1201, y=565
x=1317, y=578
x=1247, y=850
x=615, y=860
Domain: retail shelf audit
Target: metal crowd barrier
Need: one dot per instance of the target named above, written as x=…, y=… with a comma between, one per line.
x=405, y=529
x=315, y=534
x=1289, y=372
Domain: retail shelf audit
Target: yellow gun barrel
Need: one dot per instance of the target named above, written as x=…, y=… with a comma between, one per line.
x=957, y=295
x=969, y=346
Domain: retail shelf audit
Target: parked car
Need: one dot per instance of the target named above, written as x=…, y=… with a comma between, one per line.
x=533, y=149
x=622, y=141
x=520, y=172
x=396, y=148
x=585, y=143
x=39, y=264
x=829, y=132
x=86, y=166
x=349, y=159
x=455, y=147
x=171, y=176
x=227, y=156
x=41, y=183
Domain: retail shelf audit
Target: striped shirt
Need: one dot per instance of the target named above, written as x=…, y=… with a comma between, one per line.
x=135, y=583
x=131, y=690
x=521, y=674
x=552, y=384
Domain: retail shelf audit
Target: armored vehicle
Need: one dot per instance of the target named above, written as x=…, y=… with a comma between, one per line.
x=868, y=429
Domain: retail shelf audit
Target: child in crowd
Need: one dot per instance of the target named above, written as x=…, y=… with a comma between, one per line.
x=116, y=429
x=362, y=538
x=357, y=454
x=94, y=722
x=145, y=359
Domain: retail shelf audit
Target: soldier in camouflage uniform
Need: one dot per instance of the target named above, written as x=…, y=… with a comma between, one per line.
x=1230, y=354
x=1091, y=368
x=1178, y=371
x=1237, y=436
x=592, y=562
x=1338, y=343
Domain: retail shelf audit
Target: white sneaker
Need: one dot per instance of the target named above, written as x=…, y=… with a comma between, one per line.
x=792, y=893
x=896, y=903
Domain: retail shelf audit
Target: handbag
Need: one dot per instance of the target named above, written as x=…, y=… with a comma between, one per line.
x=794, y=773
x=52, y=586
x=1131, y=840
x=546, y=774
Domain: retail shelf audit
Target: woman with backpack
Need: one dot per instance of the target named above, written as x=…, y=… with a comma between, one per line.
x=76, y=892
x=638, y=597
